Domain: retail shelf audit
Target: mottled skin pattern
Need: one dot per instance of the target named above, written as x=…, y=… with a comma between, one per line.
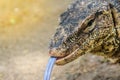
x=88, y=26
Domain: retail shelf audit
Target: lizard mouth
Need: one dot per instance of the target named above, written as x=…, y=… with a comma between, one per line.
x=68, y=58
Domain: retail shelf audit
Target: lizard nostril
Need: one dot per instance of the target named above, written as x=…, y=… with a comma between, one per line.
x=51, y=52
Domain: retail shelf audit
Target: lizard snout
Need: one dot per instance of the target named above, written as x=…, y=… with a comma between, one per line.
x=57, y=53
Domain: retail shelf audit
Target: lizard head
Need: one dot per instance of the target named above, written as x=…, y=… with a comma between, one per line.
x=67, y=43
x=72, y=37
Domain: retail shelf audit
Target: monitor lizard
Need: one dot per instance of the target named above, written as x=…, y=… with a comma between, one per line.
x=88, y=26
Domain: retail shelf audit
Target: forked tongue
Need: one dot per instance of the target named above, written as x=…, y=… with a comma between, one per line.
x=49, y=68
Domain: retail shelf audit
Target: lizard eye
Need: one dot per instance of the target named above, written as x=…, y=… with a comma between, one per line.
x=90, y=26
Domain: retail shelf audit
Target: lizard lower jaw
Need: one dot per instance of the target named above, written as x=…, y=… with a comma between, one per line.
x=65, y=57
x=69, y=58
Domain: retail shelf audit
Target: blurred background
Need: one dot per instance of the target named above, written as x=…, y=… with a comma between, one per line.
x=26, y=27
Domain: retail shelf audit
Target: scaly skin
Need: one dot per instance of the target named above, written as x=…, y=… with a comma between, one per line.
x=88, y=26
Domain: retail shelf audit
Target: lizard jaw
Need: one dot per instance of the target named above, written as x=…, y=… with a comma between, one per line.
x=69, y=58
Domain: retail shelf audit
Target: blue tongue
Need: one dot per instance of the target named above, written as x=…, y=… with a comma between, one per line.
x=49, y=68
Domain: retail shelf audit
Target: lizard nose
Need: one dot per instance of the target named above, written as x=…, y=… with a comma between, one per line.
x=52, y=52
x=56, y=53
